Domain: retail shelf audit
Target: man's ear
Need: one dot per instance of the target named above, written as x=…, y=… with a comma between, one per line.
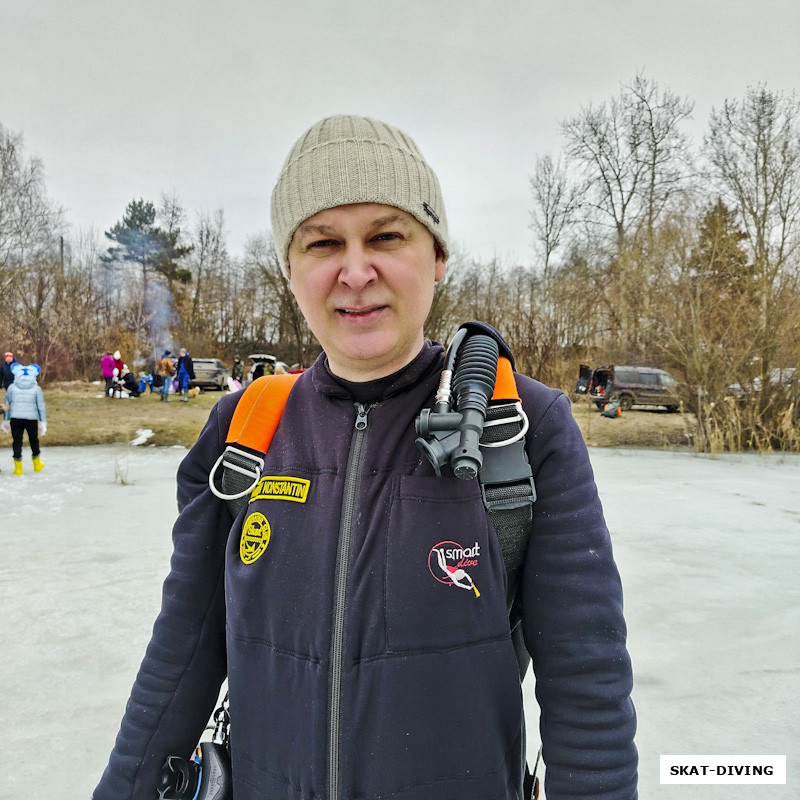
x=441, y=263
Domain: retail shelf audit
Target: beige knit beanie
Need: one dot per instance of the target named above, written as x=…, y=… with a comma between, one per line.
x=350, y=159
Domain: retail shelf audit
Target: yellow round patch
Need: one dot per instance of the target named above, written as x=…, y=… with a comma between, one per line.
x=255, y=537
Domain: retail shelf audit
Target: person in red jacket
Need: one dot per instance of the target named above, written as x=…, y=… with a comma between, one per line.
x=365, y=657
x=118, y=362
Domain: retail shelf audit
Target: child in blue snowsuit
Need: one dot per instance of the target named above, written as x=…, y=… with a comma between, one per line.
x=26, y=413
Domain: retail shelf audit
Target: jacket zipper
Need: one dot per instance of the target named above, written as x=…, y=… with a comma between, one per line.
x=352, y=484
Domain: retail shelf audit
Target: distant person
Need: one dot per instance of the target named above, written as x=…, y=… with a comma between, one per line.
x=118, y=362
x=5, y=370
x=185, y=373
x=166, y=369
x=107, y=368
x=26, y=413
x=129, y=383
x=237, y=370
x=145, y=381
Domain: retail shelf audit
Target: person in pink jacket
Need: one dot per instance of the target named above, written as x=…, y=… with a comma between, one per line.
x=107, y=368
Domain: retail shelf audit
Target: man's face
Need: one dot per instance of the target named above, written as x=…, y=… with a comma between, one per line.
x=363, y=276
x=9, y=359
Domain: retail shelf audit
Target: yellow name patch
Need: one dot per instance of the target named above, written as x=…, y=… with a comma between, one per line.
x=277, y=487
x=255, y=537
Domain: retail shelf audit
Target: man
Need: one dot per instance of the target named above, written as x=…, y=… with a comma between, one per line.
x=185, y=373
x=357, y=668
x=166, y=369
x=237, y=370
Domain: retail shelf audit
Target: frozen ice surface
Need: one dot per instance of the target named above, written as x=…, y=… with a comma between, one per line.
x=707, y=548
x=709, y=553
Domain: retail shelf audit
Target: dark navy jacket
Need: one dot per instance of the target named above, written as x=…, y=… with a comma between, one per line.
x=357, y=668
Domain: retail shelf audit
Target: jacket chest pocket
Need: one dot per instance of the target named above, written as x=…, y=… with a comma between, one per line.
x=445, y=580
x=278, y=571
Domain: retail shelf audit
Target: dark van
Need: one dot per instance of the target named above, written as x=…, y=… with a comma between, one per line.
x=630, y=386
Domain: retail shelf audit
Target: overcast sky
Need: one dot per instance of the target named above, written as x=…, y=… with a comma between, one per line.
x=130, y=99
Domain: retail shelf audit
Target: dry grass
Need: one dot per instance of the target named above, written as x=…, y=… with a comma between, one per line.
x=78, y=414
x=642, y=427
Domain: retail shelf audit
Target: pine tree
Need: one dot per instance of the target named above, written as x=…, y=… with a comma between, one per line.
x=155, y=251
x=719, y=257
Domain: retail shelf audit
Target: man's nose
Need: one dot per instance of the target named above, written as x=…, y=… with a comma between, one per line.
x=357, y=269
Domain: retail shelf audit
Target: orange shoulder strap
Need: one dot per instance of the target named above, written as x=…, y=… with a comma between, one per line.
x=505, y=387
x=259, y=411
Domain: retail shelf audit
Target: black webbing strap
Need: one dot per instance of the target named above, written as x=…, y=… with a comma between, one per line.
x=509, y=492
x=506, y=480
x=507, y=485
x=241, y=469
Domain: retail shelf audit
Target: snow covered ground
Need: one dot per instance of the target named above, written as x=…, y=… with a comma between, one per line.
x=708, y=548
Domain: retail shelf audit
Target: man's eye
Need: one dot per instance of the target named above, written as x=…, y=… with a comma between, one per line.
x=386, y=237
x=321, y=243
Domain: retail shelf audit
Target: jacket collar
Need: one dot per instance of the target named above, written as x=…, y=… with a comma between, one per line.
x=426, y=365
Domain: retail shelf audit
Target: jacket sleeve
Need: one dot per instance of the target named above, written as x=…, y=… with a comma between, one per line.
x=40, y=406
x=185, y=662
x=572, y=617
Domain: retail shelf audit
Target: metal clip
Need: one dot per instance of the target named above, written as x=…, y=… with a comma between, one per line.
x=253, y=472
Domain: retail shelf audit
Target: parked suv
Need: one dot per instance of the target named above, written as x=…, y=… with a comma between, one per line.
x=631, y=386
x=210, y=373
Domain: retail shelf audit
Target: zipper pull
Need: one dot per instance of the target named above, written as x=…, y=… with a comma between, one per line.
x=361, y=416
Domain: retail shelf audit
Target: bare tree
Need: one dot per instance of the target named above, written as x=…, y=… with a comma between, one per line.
x=31, y=230
x=664, y=152
x=753, y=149
x=632, y=155
x=286, y=323
x=605, y=149
x=635, y=165
x=208, y=258
x=555, y=201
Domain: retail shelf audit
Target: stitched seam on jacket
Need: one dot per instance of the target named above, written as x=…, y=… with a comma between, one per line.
x=267, y=643
x=432, y=651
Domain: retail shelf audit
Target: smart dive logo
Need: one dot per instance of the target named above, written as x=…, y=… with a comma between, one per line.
x=451, y=564
x=256, y=533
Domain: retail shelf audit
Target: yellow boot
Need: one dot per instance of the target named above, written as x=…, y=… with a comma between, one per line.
x=18, y=466
x=37, y=465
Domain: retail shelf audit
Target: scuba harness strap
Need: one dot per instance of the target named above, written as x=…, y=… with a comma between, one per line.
x=505, y=476
x=254, y=423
